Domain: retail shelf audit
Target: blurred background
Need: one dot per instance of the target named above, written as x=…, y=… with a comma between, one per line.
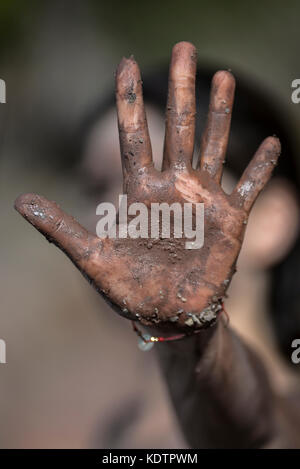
x=74, y=376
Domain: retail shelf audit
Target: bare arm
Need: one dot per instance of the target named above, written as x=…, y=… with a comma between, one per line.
x=222, y=396
x=219, y=389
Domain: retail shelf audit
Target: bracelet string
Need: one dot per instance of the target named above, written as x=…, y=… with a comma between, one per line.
x=146, y=339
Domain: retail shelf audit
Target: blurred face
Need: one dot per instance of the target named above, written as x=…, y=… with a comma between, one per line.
x=274, y=221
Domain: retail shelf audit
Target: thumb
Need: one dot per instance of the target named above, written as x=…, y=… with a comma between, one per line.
x=58, y=227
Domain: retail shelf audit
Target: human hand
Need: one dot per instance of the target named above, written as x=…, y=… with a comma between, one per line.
x=157, y=281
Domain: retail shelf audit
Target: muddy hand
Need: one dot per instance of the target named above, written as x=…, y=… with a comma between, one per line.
x=157, y=281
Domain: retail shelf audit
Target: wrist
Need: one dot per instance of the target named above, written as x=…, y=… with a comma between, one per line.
x=148, y=336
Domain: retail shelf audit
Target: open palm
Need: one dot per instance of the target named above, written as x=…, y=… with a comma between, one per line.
x=157, y=281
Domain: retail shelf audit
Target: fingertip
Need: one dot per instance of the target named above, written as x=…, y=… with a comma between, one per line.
x=273, y=145
x=57, y=226
x=224, y=77
x=222, y=94
x=19, y=202
x=184, y=59
x=125, y=64
x=268, y=151
x=184, y=47
x=223, y=84
x=128, y=79
x=258, y=172
x=36, y=209
x=127, y=70
x=24, y=200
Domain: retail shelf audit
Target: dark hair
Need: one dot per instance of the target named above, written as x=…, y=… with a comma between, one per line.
x=255, y=116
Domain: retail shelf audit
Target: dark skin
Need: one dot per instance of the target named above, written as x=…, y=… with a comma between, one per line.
x=154, y=283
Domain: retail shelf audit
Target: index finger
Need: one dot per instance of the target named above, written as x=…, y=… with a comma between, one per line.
x=136, y=152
